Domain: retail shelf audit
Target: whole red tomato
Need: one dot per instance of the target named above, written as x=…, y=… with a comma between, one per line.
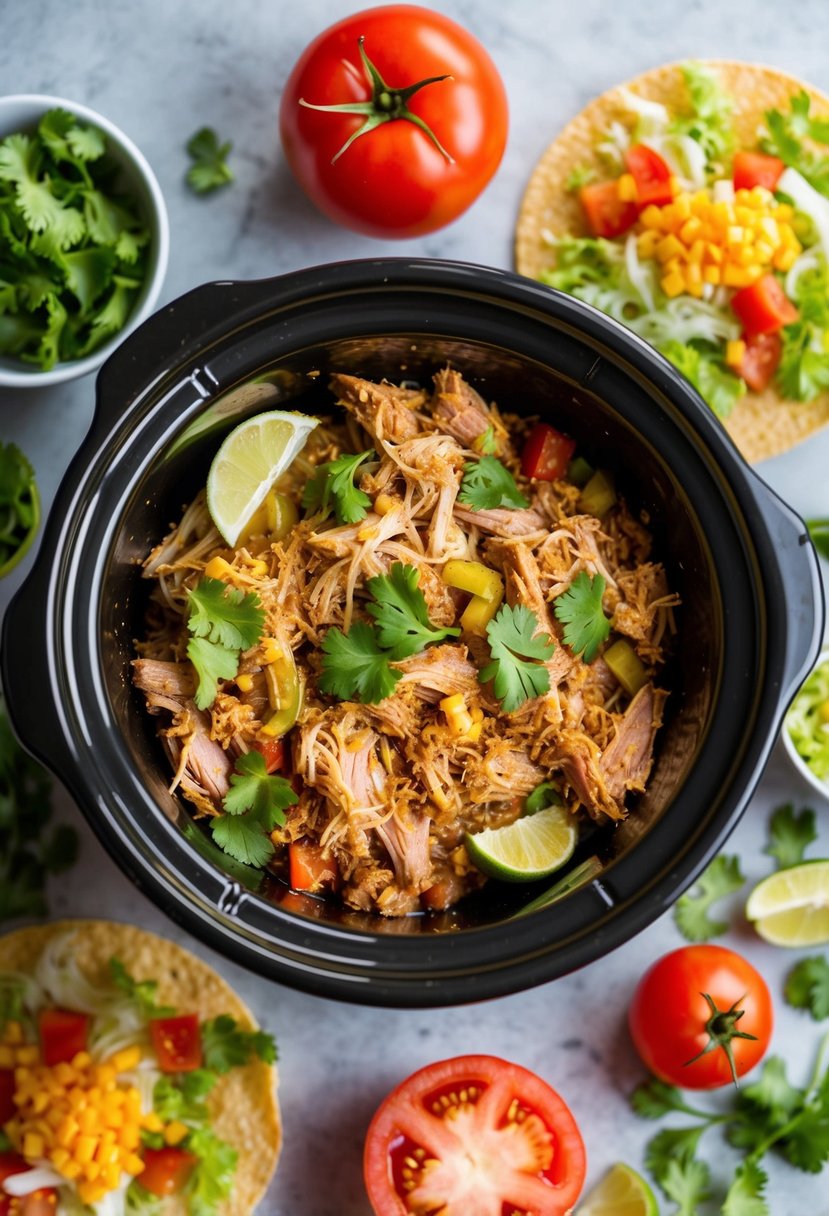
x=418, y=127
x=701, y=1017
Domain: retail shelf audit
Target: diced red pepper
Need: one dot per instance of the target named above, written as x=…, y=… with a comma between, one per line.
x=764, y=307
x=756, y=169
x=166, y=1170
x=273, y=753
x=547, y=453
x=62, y=1035
x=761, y=360
x=607, y=214
x=309, y=869
x=7, y=1107
x=177, y=1043
x=652, y=176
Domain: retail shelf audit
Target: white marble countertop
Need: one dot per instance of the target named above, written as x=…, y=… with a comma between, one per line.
x=160, y=70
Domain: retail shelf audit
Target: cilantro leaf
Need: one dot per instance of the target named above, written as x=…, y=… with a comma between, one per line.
x=142, y=992
x=514, y=645
x=18, y=499
x=745, y=1195
x=790, y=833
x=210, y=169
x=254, y=805
x=654, y=1098
x=486, y=443
x=803, y=373
x=354, y=667
x=182, y=1099
x=332, y=488
x=764, y=1107
x=806, y=1144
x=212, y=663
x=669, y=1156
x=227, y=1046
x=786, y=136
x=691, y=912
x=399, y=609
x=579, y=609
x=488, y=484
x=225, y=615
x=807, y=986
x=212, y=1180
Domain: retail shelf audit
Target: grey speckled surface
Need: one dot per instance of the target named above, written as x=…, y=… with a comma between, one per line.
x=160, y=70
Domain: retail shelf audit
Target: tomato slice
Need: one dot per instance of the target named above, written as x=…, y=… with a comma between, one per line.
x=273, y=753
x=651, y=174
x=486, y=1136
x=764, y=306
x=761, y=360
x=607, y=214
x=7, y=1106
x=166, y=1170
x=547, y=453
x=756, y=169
x=310, y=870
x=177, y=1043
x=62, y=1035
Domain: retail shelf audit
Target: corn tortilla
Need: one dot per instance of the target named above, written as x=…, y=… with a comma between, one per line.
x=761, y=424
x=243, y=1105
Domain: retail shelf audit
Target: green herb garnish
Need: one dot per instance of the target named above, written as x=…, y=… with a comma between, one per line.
x=787, y=133
x=209, y=170
x=355, y=667
x=804, y=361
x=488, y=484
x=703, y=364
x=580, y=610
x=332, y=488
x=19, y=506
x=224, y=621
x=807, y=986
x=790, y=834
x=518, y=653
x=226, y=1045
x=142, y=992
x=254, y=805
x=692, y=911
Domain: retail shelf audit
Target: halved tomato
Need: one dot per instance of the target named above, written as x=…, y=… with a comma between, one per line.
x=761, y=360
x=167, y=1170
x=756, y=169
x=177, y=1042
x=652, y=176
x=473, y=1134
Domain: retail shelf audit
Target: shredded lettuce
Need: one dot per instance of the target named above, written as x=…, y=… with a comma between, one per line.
x=710, y=123
x=804, y=364
x=807, y=726
x=786, y=136
x=704, y=367
x=596, y=270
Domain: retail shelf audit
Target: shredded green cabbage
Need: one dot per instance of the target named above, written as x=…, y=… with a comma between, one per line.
x=808, y=721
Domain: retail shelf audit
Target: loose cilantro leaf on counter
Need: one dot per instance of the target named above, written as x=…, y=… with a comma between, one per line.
x=580, y=610
x=354, y=667
x=19, y=505
x=745, y=1195
x=224, y=621
x=332, y=488
x=254, y=805
x=691, y=913
x=226, y=1045
x=518, y=653
x=807, y=986
x=787, y=133
x=209, y=170
x=487, y=484
x=790, y=833
x=142, y=992
x=402, y=620
x=670, y=1157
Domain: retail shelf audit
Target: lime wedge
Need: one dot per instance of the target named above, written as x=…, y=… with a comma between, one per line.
x=791, y=907
x=622, y=1192
x=531, y=847
x=248, y=463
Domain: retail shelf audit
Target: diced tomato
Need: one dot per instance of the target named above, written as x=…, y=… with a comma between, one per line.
x=166, y=1170
x=39, y=1203
x=547, y=453
x=756, y=169
x=607, y=214
x=177, y=1043
x=309, y=869
x=764, y=306
x=7, y=1106
x=760, y=361
x=273, y=753
x=651, y=174
x=62, y=1035
x=10, y=1163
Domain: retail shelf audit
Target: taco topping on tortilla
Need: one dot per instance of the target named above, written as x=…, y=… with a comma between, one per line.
x=104, y=1092
x=705, y=233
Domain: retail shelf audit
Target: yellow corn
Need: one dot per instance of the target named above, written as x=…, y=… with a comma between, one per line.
x=27, y=1055
x=736, y=276
x=458, y=716
x=175, y=1132
x=124, y=1061
x=711, y=274
x=673, y=284
x=33, y=1145
x=384, y=503
x=669, y=247
x=151, y=1122
x=626, y=188
x=734, y=352
x=244, y=682
x=651, y=217
x=474, y=577
x=217, y=567
x=647, y=242
x=13, y=1033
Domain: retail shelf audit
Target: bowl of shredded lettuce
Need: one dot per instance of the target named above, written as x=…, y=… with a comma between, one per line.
x=806, y=727
x=84, y=239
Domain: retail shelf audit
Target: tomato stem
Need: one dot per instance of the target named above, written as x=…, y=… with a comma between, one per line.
x=721, y=1028
x=386, y=105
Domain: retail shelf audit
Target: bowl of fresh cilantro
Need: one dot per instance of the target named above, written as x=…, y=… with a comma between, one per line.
x=84, y=239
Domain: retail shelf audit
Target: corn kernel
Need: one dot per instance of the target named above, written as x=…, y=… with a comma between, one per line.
x=626, y=188
x=217, y=567
x=67, y=1131
x=734, y=352
x=690, y=230
x=244, y=682
x=71, y=1170
x=104, y=1075
x=33, y=1145
x=129, y=1136
x=88, y=1120
x=673, y=284
x=651, y=217
x=669, y=247
x=175, y=1132
x=90, y=1192
x=151, y=1122
x=59, y=1158
x=92, y=1170
x=112, y=1176
x=13, y=1033
x=384, y=503
x=65, y=1074
x=711, y=274
x=124, y=1061
x=736, y=276
x=452, y=704
x=681, y=208
x=40, y=1102
x=697, y=252
x=85, y=1148
x=474, y=732
x=784, y=259
x=646, y=243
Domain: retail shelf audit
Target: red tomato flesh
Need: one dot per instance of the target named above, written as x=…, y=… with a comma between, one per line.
x=651, y=174
x=761, y=360
x=309, y=869
x=669, y=1016
x=177, y=1043
x=7, y=1106
x=486, y=1136
x=62, y=1035
x=764, y=307
x=607, y=214
x=756, y=169
x=547, y=453
x=273, y=753
x=166, y=1170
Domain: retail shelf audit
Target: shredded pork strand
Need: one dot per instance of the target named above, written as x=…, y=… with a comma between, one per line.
x=388, y=791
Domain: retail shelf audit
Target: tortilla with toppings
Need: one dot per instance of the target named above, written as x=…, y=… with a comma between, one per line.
x=767, y=420
x=152, y=985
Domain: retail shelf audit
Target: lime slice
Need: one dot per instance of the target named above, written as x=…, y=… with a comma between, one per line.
x=791, y=907
x=248, y=463
x=531, y=847
x=622, y=1192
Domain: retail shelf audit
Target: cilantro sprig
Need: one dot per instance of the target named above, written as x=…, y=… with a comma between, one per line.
x=209, y=170
x=787, y=133
x=518, y=653
x=488, y=484
x=226, y=1045
x=254, y=805
x=790, y=834
x=807, y=986
x=332, y=488
x=223, y=621
x=141, y=992
x=579, y=609
x=692, y=911
x=19, y=506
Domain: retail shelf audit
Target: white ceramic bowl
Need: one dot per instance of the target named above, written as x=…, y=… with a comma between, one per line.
x=21, y=112
x=817, y=783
